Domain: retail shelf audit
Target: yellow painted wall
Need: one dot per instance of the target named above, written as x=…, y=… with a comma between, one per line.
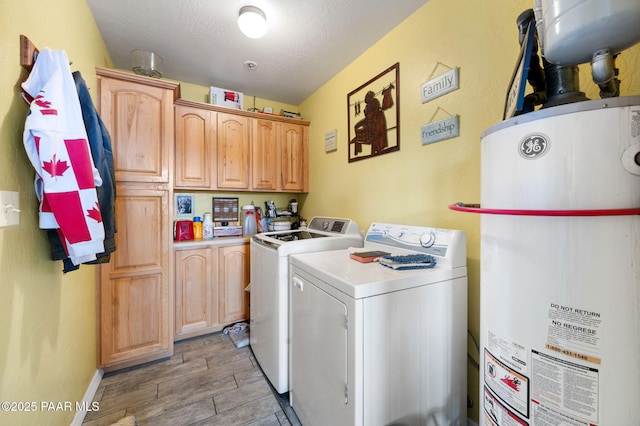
x=47, y=318
x=415, y=185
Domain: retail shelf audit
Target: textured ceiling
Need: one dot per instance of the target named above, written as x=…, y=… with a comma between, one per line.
x=307, y=43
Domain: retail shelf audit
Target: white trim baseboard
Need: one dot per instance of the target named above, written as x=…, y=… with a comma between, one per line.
x=88, y=397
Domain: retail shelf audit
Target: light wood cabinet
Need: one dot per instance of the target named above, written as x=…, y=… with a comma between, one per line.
x=196, y=291
x=294, y=157
x=210, y=286
x=139, y=117
x=233, y=278
x=239, y=150
x=195, y=145
x=265, y=155
x=280, y=156
x=233, y=151
x=135, y=305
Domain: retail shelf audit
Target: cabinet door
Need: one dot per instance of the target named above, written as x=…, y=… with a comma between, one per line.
x=195, y=147
x=140, y=121
x=264, y=155
x=294, y=149
x=135, y=296
x=233, y=151
x=196, y=290
x=233, y=277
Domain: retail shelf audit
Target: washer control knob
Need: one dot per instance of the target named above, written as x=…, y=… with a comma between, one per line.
x=427, y=240
x=325, y=225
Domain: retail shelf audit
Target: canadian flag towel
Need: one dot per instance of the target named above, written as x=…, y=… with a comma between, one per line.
x=55, y=140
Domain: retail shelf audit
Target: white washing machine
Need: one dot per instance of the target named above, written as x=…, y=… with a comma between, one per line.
x=372, y=345
x=269, y=304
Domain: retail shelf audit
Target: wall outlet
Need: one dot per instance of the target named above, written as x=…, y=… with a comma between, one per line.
x=9, y=208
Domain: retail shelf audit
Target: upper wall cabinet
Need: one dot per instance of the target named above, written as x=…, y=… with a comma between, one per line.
x=139, y=118
x=219, y=148
x=233, y=151
x=294, y=156
x=279, y=156
x=264, y=157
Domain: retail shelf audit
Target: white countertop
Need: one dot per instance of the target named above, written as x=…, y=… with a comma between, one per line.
x=217, y=241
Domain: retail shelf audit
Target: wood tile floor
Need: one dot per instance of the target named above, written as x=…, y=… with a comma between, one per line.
x=208, y=381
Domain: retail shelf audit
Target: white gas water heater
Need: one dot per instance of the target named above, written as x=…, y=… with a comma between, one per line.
x=560, y=228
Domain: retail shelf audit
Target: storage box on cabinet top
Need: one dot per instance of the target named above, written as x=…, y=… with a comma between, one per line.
x=225, y=98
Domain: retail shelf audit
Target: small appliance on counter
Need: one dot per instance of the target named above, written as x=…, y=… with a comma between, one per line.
x=227, y=231
x=225, y=210
x=183, y=230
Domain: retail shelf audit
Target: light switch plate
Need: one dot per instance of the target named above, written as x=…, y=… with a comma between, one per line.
x=9, y=208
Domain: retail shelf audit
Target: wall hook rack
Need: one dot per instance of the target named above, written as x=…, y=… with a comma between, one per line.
x=28, y=52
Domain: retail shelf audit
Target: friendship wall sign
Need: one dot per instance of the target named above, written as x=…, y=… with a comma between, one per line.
x=440, y=130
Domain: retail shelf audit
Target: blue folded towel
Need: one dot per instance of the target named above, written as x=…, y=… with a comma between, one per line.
x=409, y=261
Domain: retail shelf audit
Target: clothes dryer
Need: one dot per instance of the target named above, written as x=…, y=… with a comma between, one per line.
x=372, y=345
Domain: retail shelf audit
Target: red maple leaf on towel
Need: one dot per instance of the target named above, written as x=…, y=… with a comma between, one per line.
x=94, y=213
x=45, y=106
x=55, y=167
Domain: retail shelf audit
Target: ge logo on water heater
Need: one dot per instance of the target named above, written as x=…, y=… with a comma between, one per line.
x=533, y=146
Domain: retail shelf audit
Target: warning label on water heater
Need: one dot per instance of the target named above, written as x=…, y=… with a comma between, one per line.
x=563, y=391
x=495, y=413
x=574, y=332
x=507, y=384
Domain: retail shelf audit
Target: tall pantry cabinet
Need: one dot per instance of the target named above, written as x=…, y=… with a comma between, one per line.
x=135, y=307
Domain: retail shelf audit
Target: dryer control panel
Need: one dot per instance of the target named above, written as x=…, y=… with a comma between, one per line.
x=444, y=243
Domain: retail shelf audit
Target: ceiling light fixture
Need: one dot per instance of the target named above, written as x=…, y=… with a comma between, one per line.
x=252, y=22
